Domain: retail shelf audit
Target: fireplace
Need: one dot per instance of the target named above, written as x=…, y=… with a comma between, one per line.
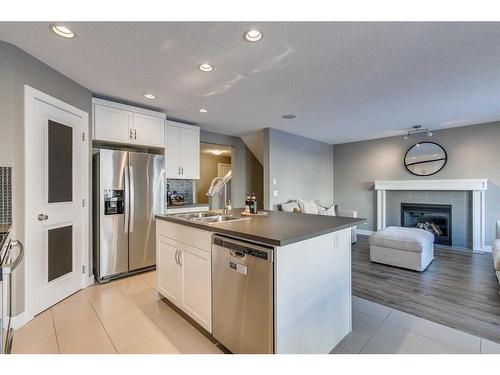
x=435, y=218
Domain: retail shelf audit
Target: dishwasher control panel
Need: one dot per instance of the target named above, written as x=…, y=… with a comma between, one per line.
x=239, y=250
x=238, y=267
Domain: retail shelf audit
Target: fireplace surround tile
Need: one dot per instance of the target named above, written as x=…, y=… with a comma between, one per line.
x=461, y=210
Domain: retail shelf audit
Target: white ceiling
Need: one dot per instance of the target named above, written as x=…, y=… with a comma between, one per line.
x=208, y=148
x=343, y=81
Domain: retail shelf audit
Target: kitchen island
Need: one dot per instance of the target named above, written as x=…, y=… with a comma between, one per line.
x=308, y=303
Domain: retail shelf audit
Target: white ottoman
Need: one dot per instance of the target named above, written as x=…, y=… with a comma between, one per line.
x=402, y=247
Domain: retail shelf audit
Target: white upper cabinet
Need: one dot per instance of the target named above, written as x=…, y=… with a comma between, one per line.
x=182, y=151
x=172, y=151
x=120, y=123
x=112, y=124
x=149, y=130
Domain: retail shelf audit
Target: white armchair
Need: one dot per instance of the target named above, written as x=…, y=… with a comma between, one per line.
x=350, y=213
x=292, y=206
x=496, y=252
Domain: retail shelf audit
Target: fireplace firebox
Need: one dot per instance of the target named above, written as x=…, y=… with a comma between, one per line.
x=435, y=218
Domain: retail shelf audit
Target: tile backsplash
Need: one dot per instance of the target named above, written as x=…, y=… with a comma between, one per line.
x=5, y=195
x=185, y=187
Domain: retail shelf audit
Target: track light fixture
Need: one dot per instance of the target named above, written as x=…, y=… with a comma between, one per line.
x=417, y=129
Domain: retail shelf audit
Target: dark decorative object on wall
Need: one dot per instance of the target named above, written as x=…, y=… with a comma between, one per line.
x=425, y=158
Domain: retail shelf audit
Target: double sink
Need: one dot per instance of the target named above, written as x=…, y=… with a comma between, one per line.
x=209, y=217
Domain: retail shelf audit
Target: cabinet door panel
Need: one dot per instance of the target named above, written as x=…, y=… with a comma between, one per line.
x=190, y=153
x=196, y=285
x=149, y=130
x=112, y=124
x=172, y=151
x=169, y=272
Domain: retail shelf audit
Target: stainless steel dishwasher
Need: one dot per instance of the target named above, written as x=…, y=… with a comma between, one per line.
x=242, y=282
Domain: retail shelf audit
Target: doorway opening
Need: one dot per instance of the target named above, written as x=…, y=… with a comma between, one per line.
x=215, y=161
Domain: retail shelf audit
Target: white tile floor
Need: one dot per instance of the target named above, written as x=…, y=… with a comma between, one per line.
x=126, y=316
x=123, y=316
x=378, y=329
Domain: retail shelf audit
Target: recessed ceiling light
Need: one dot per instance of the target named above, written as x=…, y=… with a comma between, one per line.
x=150, y=96
x=217, y=152
x=288, y=117
x=62, y=31
x=253, y=35
x=205, y=67
x=203, y=110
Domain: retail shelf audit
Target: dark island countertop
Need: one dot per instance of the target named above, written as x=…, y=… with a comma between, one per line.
x=277, y=229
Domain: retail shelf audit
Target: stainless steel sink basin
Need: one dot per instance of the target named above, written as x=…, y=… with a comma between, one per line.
x=196, y=215
x=219, y=219
x=208, y=217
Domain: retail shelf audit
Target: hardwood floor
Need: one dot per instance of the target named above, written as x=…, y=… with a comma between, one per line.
x=459, y=289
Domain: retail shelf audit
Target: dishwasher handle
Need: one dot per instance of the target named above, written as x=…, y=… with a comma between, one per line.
x=240, y=249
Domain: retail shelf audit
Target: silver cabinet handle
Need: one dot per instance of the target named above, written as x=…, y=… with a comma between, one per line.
x=42, y=217
x=176, y=258
x=135, y=133
x=127, y=200
x=182, y=171
x=132, y=199
x=179, y=171
x=180, y=257
x=130, y=135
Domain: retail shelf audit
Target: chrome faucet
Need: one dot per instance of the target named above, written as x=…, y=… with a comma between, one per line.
x=227, y=207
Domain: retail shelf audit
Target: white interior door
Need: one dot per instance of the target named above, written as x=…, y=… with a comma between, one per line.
x=56, y=184
x=223, y=169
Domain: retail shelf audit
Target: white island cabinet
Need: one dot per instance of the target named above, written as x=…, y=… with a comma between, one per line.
x=279, y=283
x=184, y=269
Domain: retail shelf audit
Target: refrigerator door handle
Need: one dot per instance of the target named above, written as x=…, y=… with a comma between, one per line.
x=132, y=198
x=127, y=201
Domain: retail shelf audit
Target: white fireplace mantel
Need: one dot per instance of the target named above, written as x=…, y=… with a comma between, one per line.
x=476, y=186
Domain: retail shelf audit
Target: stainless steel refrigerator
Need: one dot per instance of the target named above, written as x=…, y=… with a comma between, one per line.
x=128, y=190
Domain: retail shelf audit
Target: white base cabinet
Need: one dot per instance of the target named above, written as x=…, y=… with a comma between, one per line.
x=169, y=284
x=184, y=269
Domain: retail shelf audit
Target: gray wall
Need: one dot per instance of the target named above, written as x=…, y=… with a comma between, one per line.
x=302, y=167
x=247, y=172
x=473, y=152
x=18, y=68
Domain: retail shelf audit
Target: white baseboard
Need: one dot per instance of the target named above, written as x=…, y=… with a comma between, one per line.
x=90, y=281
x=365, y=232
x=19, y=320
x=487, y=249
